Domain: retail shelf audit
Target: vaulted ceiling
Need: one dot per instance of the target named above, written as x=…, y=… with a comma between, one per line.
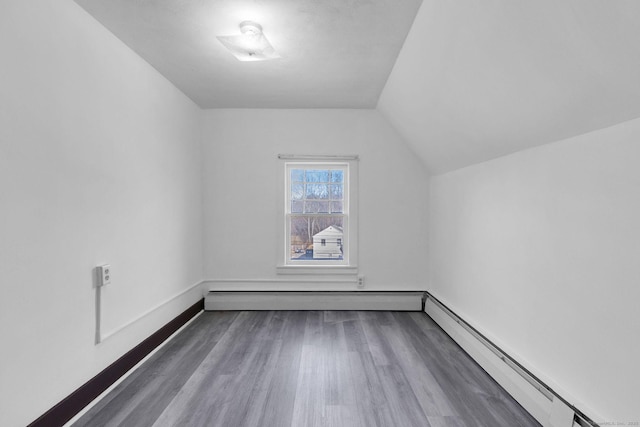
x=335, y=53
x=473, y=80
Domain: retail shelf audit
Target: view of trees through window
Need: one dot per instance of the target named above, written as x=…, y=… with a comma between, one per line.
x=316, y=213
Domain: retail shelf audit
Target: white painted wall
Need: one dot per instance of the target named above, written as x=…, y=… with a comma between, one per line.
x=476, y=80
x=99, y=163
x=540, y=250
x=241, y=194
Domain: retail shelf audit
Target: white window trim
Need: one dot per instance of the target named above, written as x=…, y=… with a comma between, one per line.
x=350, y=266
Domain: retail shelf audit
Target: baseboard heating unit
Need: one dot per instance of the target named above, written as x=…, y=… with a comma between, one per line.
x=541, y=401
x=313, y=300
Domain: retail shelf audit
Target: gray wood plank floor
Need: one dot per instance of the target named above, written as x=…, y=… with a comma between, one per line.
x=309, y=368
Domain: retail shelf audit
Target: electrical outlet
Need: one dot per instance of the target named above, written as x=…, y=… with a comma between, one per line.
x=104, y=274
x=360, y=281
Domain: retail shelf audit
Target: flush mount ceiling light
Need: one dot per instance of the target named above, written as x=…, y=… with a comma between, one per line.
x=251, y=45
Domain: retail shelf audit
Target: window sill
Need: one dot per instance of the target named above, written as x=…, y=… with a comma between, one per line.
x=317, y=269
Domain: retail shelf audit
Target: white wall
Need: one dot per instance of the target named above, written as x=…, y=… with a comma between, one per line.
x=99, y=163
x=540, y=251
x=241, y=193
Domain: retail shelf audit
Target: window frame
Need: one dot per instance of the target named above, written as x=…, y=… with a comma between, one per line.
x=347, y=265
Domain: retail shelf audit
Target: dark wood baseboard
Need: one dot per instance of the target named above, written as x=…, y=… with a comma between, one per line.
x=76, y=401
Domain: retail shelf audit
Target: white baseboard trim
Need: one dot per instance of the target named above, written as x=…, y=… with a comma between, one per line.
x=319, y=283
x=249, y=300
x=101, y=337
x=545, y=405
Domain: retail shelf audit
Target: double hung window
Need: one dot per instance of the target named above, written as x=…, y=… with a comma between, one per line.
x=318, y=214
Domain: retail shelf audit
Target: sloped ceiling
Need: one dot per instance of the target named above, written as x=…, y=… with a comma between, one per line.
x=480, y=79
x=335, y=53
x=474, y=80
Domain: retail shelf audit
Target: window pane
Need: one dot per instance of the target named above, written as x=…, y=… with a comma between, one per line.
x=317, y=191
x=336, y=207
x=317, y=175
x=308, y=232
x=336, y=192
x=297, y=191
x=337, y=176
x=297, y=175
x=296, y=206
x=316, y=207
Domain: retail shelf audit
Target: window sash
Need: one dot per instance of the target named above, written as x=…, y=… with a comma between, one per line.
x=333, y=187
x=333, y=196
x=324, y=261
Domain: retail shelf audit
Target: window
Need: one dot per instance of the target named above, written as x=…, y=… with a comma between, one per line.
x=319, y=220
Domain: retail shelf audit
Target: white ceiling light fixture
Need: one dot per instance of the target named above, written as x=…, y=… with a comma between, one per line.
x=251, y=45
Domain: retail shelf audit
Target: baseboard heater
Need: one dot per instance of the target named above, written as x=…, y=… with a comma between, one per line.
x=313, y=300
x=540, y=400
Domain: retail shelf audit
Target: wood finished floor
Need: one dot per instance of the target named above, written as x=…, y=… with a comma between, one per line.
x=309, y=368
